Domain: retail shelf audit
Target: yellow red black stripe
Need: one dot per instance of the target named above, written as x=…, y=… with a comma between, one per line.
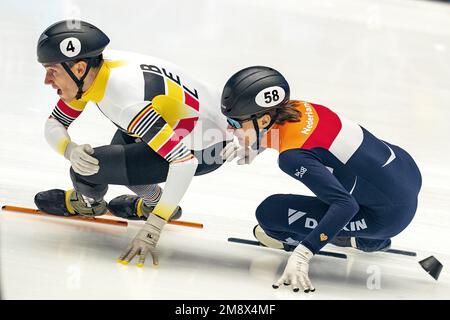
x=153, y=85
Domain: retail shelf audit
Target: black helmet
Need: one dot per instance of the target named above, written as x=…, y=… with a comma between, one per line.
x=70, y=40
x=252, y=91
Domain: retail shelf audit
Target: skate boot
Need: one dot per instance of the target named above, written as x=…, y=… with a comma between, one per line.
x=132, y=207
x=363, y=244
x=267, y=241
x=68, y=203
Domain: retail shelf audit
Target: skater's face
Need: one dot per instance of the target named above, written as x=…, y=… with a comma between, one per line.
x=246, y=134
x=60, y=80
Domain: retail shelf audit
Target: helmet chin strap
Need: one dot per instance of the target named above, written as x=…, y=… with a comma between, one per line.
x=78, y=82
x=256, y=127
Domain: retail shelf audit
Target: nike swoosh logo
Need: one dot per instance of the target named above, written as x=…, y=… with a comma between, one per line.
x=391, y=158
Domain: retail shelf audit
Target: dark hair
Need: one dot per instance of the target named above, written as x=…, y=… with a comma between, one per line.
x=95, y=61
x=288, y=113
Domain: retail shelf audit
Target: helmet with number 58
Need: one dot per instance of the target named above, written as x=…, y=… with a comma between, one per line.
x=254, y=91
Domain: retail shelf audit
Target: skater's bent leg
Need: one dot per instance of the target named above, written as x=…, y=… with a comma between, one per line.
x=149, y=193
x=124, y=162
x=131, y=164
x=112, y=169
x=370, y=230
x=136, y=165
x=290, y=218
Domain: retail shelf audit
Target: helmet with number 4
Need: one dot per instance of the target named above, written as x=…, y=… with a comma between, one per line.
x=253, y=91
x=69, y=40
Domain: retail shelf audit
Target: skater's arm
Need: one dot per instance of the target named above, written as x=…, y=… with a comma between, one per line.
x=153, y=129
x=56, y=125
x=178, y=180
x=304, y=166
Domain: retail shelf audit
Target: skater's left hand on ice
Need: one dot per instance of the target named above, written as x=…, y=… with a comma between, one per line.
x=145, y=242
x=296, y=271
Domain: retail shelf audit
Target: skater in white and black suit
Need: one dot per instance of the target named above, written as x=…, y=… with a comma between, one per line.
x=169, y=129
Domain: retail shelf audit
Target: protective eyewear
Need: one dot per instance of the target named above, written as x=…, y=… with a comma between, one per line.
x=234, y=123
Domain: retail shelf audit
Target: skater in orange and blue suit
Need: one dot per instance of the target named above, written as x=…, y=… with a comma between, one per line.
x=366, y=189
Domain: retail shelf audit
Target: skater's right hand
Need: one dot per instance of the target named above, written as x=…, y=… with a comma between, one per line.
x=296, y=271
x=144, y=242
x=80, y=158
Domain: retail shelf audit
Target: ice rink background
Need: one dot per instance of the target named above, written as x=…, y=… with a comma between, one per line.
x=384, y=64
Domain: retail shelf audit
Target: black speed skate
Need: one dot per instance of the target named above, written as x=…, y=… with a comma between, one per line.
x=363, y=244
x=132, y=207
x=68, y=203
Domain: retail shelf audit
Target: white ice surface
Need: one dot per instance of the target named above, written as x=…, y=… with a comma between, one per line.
x=384, y=64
